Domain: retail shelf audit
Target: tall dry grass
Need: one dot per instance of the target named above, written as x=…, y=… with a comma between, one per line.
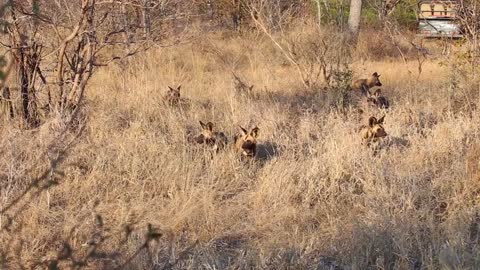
x=316, y=199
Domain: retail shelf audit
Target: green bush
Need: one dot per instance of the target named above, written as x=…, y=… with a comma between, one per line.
x=370, y=18
x=405, y=14
x=335, y=12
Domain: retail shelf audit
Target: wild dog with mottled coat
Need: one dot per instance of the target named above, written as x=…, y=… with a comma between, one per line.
x=172, y=97
x=377, y=100
x=364, y=85
x=374, y=132
x=246, y=143
x=214, y=139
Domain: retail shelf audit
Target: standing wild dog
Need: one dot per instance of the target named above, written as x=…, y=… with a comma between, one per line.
x=377, y=100
x=246, y=143
x=364, y=85
x=374, y=132
x=172, y=97
x=214, y=139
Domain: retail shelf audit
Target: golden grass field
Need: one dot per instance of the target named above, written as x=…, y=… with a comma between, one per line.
x=320, y=199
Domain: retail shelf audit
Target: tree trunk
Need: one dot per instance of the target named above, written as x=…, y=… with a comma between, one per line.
x=319, y=12
x=354, y=18
x=26, y=60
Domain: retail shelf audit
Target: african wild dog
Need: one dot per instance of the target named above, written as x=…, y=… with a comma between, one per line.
x=214, y=139
x=377, y=100
x=364, y=85
x=172, y=97
x=246, y=143
x=374, y=132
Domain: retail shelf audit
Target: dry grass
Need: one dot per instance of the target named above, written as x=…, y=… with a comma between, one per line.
x=320, y=199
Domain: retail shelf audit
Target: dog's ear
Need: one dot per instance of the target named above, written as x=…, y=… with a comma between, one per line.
x=209, y=126
x=372, y=121
x=244, y=131
x=178, y=88
x=380, y=121
x=254, y=132
x=171, y=88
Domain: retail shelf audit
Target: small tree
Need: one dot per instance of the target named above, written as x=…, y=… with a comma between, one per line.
x=315, y=54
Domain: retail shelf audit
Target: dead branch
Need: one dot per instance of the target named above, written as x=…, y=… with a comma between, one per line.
x=254, y=14
x=86, y=5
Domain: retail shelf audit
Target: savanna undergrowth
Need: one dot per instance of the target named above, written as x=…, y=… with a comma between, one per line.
x=124, y=188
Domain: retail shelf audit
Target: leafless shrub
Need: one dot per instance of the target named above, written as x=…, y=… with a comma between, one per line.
x=315, y=54
x=53, y=72
x=469, y=15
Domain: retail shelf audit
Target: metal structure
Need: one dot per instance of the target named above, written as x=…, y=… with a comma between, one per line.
x=437, y=18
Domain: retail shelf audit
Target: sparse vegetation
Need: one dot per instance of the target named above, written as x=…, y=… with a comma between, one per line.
x=124, y=187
